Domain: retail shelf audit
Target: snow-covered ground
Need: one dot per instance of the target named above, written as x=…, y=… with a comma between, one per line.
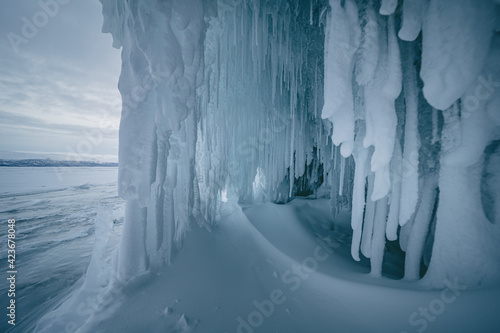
x=55, y=210
x=277, y=268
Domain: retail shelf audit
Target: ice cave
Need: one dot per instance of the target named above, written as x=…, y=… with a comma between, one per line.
x=302, y=166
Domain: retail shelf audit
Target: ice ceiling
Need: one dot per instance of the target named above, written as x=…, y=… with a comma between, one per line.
x=389, y=107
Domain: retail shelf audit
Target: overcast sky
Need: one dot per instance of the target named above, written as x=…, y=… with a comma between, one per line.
x=58, y=79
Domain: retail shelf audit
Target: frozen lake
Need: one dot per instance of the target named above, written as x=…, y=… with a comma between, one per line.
x=55, y=210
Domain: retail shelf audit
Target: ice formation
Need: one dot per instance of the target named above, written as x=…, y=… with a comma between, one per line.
x=392, y=105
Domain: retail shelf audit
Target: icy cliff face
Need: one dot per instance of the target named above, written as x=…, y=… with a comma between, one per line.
x=163, y=65
x=214, y=94
x=392, y=105
x=408, y=150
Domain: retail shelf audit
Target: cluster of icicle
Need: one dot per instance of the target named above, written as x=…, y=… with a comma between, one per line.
x=367, y=98
x=261, y=103
x=214, y=94
x=417, y=114
x=162, y=66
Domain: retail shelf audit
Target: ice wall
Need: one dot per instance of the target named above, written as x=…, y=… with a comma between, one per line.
x=422, y=129
x=213, y=93
x=162, y=66
x=390, y=105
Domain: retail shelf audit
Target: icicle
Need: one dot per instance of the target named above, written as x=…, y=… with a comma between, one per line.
x=292, y=150
x=342, y=175
x=366, y=240
x=378, y=240
x=358, y=197
x=397, y=172
x=255, y=23
x=311, y=12
x=413, y=11
x=420, y=229
x=404, y=234
x=218, y=71
x=381, y=120
x=369, y=47
x=409, y=180
x=388, y=7
x=335, y=156
x=316, y=115
x=341, y=42
x=132, y=254
x=235, y=27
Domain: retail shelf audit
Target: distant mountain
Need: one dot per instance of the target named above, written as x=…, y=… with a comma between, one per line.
x=55, y=158
x=54, y=163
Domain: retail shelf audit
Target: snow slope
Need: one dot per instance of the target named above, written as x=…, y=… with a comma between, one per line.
x=221, y=278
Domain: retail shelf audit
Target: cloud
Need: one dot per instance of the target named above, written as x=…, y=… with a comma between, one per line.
x=61, y=83
x=12, y=120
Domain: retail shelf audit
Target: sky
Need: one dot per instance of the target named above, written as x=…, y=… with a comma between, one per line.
x=58, y=80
